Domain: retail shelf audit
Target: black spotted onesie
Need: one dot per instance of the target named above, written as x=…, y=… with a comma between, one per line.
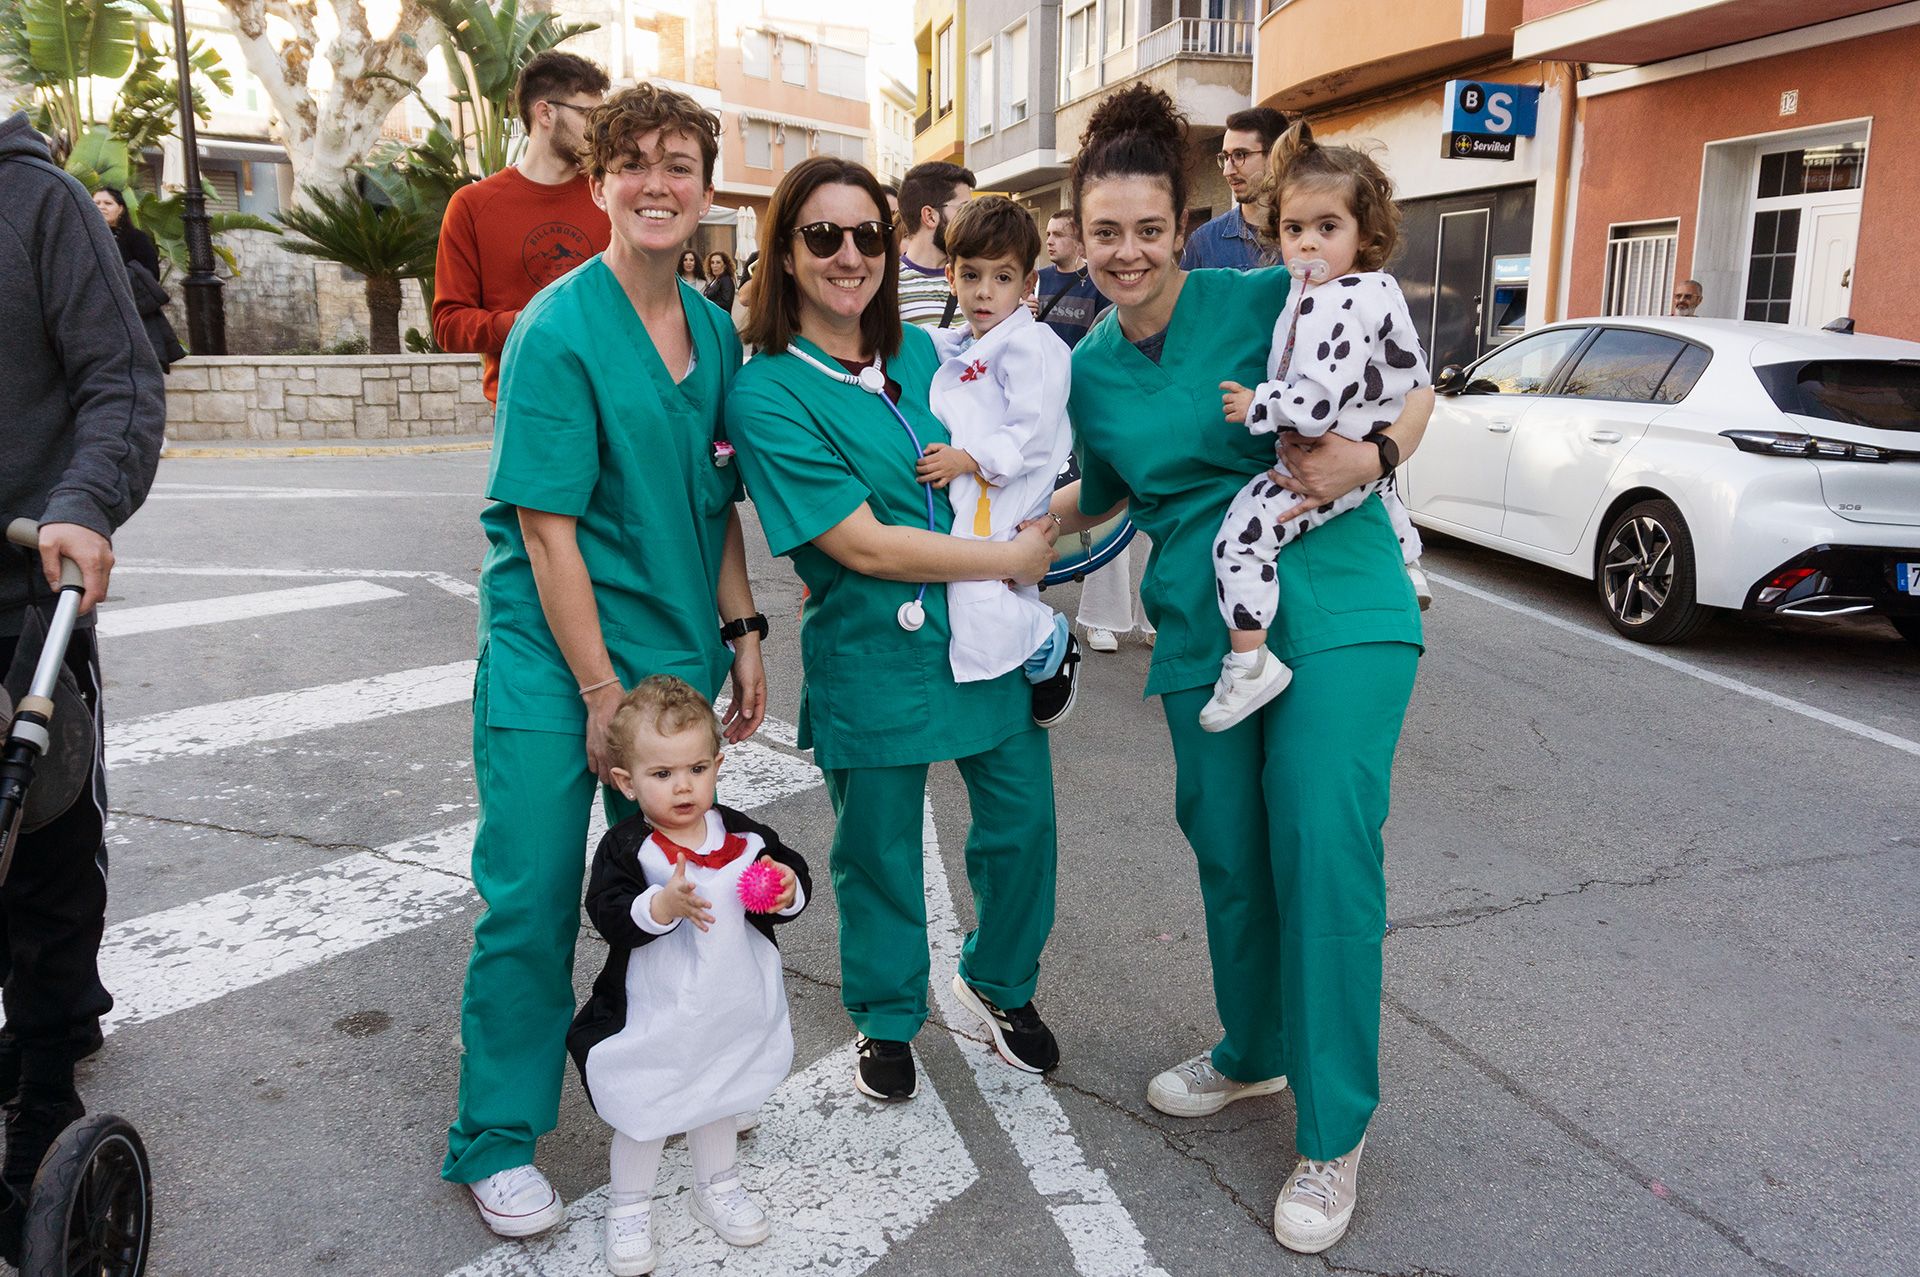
x=1344, y=357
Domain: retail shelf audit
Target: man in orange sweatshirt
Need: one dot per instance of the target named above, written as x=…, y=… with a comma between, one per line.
x=508, y=236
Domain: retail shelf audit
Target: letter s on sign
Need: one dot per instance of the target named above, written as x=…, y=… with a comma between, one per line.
x=1499, y=118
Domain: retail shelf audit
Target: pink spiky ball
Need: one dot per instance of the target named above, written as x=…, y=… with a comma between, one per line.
x=760, y=887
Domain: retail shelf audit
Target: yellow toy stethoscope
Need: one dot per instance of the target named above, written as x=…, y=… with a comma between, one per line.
x=873, y=379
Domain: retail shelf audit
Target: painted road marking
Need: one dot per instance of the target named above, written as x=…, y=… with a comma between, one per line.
x=1101, y=1234
x=842, y=1180
x=1688, y=668
x=191, y=954
x=210, y=729
x=254, y=492
x=119, y=622
x=161, y=567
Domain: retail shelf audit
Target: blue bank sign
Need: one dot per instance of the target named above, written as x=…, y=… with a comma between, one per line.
x=1483, y=119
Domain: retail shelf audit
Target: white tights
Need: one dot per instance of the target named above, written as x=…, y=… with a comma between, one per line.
x=635, y=1164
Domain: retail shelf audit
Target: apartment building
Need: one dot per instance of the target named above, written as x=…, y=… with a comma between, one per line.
x=1476, y=256
x=890, y=148
x=939, y=33
x=1766, y=150
x=790, y=87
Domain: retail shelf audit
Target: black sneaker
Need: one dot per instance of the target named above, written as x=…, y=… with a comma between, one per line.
x=1020, y=1036
x=885, y=1071
x=1053, y=699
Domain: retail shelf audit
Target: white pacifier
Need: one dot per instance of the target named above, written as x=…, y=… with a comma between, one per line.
x=874, y=382
x=1313, y=270
x=911, y=615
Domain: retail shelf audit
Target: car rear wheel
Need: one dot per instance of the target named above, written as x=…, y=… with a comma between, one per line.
x=1645, y=575
x=1909, y=627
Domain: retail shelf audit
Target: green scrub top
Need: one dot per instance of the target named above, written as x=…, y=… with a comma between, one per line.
x=591, y=424
x=1152, y=434
x=814, y=450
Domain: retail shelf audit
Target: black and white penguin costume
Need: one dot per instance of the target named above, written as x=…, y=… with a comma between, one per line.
x=687, y=1026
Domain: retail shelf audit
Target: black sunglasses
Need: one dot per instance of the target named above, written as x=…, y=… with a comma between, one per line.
x=824, y=238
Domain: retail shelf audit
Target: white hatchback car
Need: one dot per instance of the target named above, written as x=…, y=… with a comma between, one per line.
x=1684, y=465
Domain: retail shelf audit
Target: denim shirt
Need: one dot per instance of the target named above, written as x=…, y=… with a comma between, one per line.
x=1225, y=241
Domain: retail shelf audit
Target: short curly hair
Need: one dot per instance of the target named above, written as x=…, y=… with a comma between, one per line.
x=666, y=704
x=616, y=125
x=1297, y=160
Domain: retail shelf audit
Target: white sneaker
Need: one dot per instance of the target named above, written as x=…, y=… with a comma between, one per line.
x=629, y=1248
x=1102, y=641
x=745, y=1122
x=725, y=1207
x=1421, y=589
x=1240, y=692
x=517, y=1202
x=1197, y=1089
x=1316, y=1206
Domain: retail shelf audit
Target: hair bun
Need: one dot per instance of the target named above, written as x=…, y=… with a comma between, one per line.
x=1139, y=108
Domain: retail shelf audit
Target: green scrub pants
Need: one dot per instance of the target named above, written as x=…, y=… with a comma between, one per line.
x=879, y=889
x=1292, y=873
x=529, y=864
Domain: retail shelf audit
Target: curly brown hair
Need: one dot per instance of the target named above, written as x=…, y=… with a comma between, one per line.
x=1299, y=161
x=993, y=226
x=666, y=704
x=616, y=126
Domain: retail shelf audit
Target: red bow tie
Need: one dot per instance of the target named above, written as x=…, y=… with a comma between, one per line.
x=730, y=849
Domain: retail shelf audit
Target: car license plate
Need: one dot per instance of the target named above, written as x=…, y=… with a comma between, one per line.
x=1907, y=577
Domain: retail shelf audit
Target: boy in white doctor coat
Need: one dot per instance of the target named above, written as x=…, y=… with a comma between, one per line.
x=1001, y=392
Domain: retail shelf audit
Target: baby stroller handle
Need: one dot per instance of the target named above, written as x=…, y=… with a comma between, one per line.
x=53, y=653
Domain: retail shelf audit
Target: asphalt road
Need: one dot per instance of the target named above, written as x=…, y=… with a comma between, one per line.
x=1649, y=1001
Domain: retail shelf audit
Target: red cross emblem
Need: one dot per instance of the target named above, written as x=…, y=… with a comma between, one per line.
x=974, y=371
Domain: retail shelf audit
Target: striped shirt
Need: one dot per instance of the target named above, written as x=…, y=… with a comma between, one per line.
x=923, y=295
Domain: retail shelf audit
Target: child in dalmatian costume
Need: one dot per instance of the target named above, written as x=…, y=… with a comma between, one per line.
x=1345, y=355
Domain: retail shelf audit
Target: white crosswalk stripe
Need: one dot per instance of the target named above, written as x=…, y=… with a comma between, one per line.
x=118, y=622
x=209, y=729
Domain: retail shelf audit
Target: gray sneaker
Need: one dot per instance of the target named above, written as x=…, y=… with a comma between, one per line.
x=1316, y=1206
x=1197, y=1089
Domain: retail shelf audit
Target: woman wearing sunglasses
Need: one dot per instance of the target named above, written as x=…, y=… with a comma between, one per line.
x=614, y=552
x=829, y=419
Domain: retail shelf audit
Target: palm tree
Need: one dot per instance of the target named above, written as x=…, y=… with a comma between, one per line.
x=387, y=244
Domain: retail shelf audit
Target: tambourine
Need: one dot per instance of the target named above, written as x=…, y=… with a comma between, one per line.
x=1076, y=554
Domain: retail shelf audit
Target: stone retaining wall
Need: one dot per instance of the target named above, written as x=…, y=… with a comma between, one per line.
x=326, y=397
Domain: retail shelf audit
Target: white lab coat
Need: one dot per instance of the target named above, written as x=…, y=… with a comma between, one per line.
x=1004, y=400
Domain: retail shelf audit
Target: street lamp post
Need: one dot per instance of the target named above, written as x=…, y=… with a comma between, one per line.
x=206, y=312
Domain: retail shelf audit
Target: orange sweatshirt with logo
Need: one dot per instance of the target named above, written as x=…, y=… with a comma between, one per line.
x=505, y=238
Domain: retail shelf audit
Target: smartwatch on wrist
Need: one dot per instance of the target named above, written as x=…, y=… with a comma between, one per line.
x=1388, y=449
x=755, y=624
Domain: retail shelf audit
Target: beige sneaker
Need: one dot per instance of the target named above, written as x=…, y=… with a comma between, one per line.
x=1197, y=1089
x=1317, y=1204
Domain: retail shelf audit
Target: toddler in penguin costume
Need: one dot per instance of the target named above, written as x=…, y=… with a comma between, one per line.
x=687, y=1025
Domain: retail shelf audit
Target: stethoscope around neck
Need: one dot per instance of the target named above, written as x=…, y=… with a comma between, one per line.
x=873, y=379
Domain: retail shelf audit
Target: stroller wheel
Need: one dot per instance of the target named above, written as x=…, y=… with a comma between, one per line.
x=92, y=1204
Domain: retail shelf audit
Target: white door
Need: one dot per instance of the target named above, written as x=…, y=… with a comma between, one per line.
x=1568, y=447
x=1832, y=235
x=1459, y=474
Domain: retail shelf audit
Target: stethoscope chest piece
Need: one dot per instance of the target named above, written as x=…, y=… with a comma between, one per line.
x=912, y=615
x=872, y=380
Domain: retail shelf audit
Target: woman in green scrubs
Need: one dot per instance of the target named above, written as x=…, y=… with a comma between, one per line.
x=1284, y=811
x=614, y=552
x=831, y=472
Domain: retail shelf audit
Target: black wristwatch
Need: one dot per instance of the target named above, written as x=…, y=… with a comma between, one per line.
x=755, y=624
x=1389, y=451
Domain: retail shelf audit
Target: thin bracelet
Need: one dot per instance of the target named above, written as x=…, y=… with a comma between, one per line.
x=594, y=687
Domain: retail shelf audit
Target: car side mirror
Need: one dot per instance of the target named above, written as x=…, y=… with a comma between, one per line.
x=1451, y=381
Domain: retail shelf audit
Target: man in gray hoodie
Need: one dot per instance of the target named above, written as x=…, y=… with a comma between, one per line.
x=81, y=416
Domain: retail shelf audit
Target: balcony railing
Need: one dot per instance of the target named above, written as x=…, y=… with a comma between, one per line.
x=1196, y=38
x=922, y=122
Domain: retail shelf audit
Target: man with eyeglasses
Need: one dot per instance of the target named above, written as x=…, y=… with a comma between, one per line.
x=1227, y=240
x=506, y=237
